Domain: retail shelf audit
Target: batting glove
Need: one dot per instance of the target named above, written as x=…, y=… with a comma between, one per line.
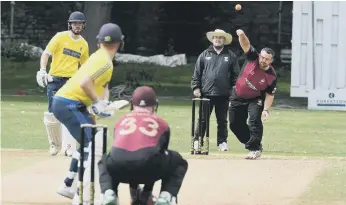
x=41, y=77
x=99, y=109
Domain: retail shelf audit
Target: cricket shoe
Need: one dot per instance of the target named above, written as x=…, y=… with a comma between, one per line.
x=254, y=154
x=53, y=149
x=66, y=191
x=166, y=198
x=109, y=198
x=223, y=147
x=68, y=151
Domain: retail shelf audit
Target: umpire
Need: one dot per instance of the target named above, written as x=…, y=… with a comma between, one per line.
x=254, y=95
x=215, y=74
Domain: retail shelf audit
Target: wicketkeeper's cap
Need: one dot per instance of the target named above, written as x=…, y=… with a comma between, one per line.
x=144, y=96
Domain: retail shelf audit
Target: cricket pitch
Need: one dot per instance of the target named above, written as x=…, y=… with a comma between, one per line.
x=32, y=177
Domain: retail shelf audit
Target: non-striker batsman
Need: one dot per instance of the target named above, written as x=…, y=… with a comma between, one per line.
x=69, y=50
x=87, y=87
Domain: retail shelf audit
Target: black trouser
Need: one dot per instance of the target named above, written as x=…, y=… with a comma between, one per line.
x=248, y=134
x=221, y=107
x=169, y=167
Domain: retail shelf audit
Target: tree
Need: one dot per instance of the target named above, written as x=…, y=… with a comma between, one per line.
x=146, y=26
x=97, y=14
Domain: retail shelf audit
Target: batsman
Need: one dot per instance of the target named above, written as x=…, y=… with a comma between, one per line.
x=69, y=50
x=140, y=155
x=87, y=87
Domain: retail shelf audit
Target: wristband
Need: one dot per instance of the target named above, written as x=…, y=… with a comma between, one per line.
x=266, y=111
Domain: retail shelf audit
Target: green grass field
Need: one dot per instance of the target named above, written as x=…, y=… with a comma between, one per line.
x=329, y=186
x=288, y=133
x=297, y=134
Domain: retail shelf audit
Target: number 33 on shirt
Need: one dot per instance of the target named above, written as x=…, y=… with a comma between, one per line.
x=149, y=126
x=139, y=129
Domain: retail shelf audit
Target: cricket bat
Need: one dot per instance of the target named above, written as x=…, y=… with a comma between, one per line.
x=117, y=105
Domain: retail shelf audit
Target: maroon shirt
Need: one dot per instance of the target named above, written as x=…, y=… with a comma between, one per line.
x=253, y=81
x=139, y=135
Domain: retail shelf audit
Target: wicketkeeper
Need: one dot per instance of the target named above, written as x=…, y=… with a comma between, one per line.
x=140, y=155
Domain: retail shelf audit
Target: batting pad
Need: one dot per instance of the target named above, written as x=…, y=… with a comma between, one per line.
x=87, y=165
x=53, y=129
x=68, y=142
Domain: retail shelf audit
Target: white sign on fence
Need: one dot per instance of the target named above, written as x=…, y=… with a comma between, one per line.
x=327, y=100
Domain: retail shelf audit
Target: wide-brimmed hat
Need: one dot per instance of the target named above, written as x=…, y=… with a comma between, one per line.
x=219, y=32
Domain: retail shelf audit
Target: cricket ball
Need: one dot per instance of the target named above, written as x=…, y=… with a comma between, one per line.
x=238, y=7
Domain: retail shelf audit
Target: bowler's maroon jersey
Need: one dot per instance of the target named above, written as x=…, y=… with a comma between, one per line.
x=253, y=81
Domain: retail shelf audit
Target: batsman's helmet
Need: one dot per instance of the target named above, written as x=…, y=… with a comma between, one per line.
x=110, y=33
x=144, y=96
x=76, y=17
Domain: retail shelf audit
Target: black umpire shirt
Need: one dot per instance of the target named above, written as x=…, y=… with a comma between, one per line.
x=253, y=82
x=215, y=74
